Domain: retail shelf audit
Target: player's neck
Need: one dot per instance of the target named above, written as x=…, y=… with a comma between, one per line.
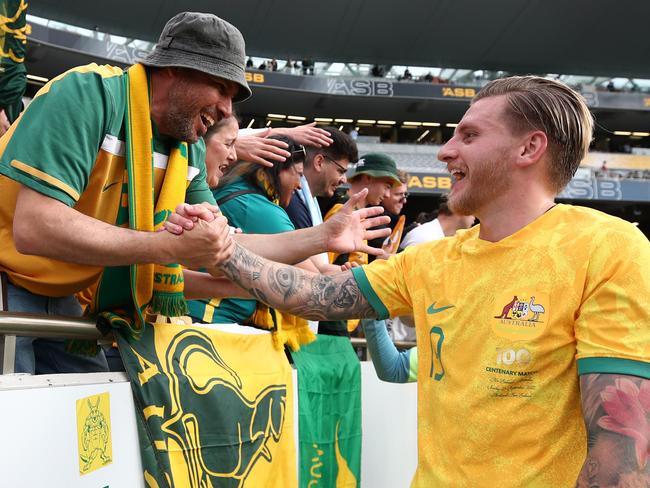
x=507, y=215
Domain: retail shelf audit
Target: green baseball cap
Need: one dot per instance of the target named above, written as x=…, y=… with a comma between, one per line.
x=377, y=165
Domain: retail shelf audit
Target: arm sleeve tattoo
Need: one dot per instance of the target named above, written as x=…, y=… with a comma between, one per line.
x=286, y=288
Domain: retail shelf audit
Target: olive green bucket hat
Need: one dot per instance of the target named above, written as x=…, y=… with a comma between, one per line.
x=206, y=43
x=377, y=165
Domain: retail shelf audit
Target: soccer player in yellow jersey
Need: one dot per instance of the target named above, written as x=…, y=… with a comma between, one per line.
x=533, y=328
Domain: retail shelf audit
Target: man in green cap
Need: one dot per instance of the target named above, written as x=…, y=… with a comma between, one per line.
x=378, y=173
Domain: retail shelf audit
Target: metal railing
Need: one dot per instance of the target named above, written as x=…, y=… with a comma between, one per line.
x=360, y=345
x=361, y=342
x=35, y=325
x=52, y=327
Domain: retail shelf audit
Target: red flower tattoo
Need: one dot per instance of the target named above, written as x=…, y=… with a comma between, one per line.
x=628, y=407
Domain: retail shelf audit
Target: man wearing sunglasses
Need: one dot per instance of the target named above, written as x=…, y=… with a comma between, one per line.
x=324, y=171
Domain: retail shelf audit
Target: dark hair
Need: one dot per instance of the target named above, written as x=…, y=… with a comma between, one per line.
x=343, y=146
x=424, y=217
x=248, y=170
x=443, y=208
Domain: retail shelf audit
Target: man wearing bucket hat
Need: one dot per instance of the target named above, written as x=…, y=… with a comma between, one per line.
x=77, y=207
x=378, y=173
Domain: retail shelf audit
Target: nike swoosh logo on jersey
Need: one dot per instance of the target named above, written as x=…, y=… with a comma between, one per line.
x=432, y=308
x=109, y=185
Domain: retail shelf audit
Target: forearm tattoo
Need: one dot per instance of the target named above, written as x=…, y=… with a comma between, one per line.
x=616, y=409
x=286, y=288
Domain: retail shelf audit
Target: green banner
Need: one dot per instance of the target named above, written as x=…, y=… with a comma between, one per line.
x=329, y=403
x=214, y=409
x=13, y=39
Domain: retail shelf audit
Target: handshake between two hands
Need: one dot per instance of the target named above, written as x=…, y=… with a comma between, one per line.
x=205, y=240
x=202, y=237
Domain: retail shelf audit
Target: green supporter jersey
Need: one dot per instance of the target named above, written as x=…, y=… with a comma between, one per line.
x=253, y=213
x=69, y=145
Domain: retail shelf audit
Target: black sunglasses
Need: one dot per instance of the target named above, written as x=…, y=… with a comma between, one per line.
x=299, y=153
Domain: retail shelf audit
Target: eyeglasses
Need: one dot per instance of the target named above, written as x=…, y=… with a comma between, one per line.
x=341, y=169
x=402, y=196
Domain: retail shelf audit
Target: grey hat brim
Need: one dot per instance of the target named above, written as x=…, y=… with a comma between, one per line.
x=168, y=58
x=377, y=173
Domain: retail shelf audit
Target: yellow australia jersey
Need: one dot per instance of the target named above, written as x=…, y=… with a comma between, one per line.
x=503, y=331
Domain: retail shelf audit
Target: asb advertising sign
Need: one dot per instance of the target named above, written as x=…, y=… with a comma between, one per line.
x=360, y=87
x=607, y=189
x=429, y=183
x=126, y=54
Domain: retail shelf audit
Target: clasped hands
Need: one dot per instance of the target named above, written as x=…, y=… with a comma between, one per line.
x=202, y=237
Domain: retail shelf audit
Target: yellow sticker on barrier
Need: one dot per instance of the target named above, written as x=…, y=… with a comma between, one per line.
x=94, y=432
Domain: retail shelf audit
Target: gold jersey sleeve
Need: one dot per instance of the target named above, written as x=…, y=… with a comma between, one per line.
x=612, y=326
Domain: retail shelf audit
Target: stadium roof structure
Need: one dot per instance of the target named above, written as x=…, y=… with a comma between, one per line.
x=582, y=37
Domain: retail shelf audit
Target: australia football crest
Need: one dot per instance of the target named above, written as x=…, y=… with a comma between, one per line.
x=520, y=310
x=520, y=316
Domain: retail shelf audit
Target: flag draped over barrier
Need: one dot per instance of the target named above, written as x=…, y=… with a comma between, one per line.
x=214, y=408
x=13, y=45
x=329, y=403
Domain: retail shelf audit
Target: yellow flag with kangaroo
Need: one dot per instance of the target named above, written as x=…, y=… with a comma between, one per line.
x=215, y=408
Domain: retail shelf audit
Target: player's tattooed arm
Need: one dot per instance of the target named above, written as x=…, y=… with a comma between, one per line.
x=616, y=409
x=309, y=295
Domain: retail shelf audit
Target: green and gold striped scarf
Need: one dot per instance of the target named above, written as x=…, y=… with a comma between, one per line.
x=155, y=288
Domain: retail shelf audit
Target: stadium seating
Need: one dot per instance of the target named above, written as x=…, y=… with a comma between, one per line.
x=424, y=158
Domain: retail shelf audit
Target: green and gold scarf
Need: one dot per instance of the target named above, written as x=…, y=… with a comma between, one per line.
x=155, y=289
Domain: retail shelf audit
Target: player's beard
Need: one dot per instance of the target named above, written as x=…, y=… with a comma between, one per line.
x=486, y=181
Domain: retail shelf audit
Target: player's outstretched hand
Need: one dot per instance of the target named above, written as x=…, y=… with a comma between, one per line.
x=206, y=245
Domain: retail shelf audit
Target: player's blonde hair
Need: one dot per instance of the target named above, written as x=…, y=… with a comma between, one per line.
x=550, y=106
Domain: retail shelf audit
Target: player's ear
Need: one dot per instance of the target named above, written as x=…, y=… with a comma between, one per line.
x=531, y=149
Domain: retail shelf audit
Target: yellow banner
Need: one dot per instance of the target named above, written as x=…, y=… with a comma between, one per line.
x=217, y=407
